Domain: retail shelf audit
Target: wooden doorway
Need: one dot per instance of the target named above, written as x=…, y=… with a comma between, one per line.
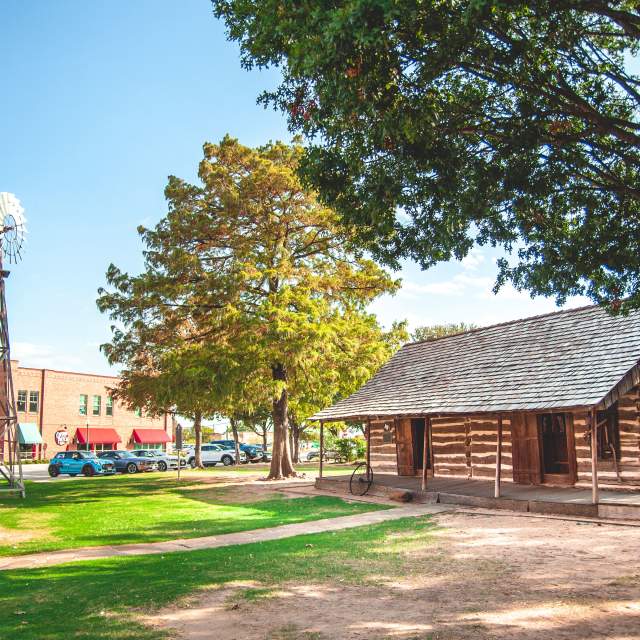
x=608, y=434
x=410, y=434
x=404, y=447
x=418, y=426
x=526, y=449
x=557, y=448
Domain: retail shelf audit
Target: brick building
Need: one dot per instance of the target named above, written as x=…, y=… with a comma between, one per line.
x=73, y=410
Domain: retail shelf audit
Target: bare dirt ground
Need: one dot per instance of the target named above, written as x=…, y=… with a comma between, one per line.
x=485, y=576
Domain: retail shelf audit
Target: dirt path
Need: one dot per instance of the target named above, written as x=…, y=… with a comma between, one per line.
x=224, y=540
x=487, y=576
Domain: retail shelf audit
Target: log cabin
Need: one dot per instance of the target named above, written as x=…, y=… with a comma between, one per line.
x=547, y=400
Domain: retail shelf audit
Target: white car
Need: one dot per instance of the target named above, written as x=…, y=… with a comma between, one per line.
x=212, y=454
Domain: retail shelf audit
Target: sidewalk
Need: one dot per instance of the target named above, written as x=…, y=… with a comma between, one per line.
x=212, y=542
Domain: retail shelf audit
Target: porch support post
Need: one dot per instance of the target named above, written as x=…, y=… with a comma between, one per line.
x=432, y=458
x=498, y=458
x=594, y=457
x=368, y=444
x=321, y=447
x=425, y=451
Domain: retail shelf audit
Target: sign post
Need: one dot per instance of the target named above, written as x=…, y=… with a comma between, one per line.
x=179, y=445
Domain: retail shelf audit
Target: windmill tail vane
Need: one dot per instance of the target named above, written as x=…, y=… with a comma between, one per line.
x=12, y=238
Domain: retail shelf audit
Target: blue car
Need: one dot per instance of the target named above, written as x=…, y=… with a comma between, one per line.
x=79, y=462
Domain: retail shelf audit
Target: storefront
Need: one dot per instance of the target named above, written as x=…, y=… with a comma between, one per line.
x=150, y=439
x=29, y=439
x=96, y=439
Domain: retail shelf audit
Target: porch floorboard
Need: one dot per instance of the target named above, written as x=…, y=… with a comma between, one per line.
x=485, y=488
x=542, y=499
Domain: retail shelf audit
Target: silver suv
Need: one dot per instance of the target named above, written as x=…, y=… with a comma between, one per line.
x=161, y=458
x=212, y=454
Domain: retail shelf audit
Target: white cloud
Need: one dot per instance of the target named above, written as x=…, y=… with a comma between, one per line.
x=445, y=288
x=459, y=285
x=472, y=260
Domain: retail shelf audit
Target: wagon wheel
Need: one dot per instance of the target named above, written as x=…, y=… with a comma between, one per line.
x=361, y=479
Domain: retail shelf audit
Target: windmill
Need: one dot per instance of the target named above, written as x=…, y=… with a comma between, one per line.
x=12, y=237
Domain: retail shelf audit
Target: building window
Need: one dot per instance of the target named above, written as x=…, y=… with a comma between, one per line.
x=27, y=452
x=109, y=406
x=97, y=405
x=34, y=401
x=84, y=401
x=150, y=445
x=138, y=411
x=22, y=400
x=96, y=447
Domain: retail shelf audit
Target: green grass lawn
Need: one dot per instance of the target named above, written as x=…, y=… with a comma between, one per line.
x=310, y=469
x=98, y=600
x=147, y=508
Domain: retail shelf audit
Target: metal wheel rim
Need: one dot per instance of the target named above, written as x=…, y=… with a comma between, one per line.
x=361, y=480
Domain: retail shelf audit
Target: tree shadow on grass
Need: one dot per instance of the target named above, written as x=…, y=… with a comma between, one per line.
x=141, y=522
x=67, y=600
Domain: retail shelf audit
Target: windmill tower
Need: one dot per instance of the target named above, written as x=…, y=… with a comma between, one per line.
x=12, y=237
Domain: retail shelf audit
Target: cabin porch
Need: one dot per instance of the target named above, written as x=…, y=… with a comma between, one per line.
x=573, y=501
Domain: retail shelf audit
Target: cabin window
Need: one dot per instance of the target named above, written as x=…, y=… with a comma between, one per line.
x=608, y=434
x=552, y=428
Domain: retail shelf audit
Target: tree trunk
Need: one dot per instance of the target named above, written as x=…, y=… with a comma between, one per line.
x=234, y=429
x=295, y=440
x=197, y=428
x=264, y=439
x=281, y=465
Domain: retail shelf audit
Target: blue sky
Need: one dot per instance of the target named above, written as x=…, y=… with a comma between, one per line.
x=101, y=102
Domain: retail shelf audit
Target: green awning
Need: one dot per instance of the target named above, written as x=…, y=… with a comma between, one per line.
x=28, y=433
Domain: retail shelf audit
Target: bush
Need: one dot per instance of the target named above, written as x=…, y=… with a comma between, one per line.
x=351, y=449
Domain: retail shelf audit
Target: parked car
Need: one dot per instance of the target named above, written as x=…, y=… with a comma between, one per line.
x=126, y=462
x=212, y=454
x=161, y=458
x=328, y=455
x=253, y=452
x=76, y=462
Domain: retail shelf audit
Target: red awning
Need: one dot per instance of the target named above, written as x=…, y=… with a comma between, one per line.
x=97, y=435
x=150, y=436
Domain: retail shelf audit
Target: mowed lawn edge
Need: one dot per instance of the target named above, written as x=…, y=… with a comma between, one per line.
x=103, y=599
x=150, y=508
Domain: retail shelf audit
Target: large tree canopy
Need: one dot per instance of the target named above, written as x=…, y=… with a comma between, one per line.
x=251, y=267
x=438, y=124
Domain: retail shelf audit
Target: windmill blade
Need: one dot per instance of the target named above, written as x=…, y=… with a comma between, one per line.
x=13, y=232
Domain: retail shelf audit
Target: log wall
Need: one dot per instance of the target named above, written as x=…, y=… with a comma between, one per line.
x=465, y=447
x=383, y=454
x=629, y=427
x=462, y=447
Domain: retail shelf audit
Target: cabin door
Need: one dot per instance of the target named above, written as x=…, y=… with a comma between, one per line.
x=526, y=450
x=418, y=427
x=404, y=447
x=557, y=447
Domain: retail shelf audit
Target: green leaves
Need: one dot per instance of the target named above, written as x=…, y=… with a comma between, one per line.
x=247, y=272
x=436, y=125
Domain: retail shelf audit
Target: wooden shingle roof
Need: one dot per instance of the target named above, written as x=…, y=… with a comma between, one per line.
x=578, y=357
